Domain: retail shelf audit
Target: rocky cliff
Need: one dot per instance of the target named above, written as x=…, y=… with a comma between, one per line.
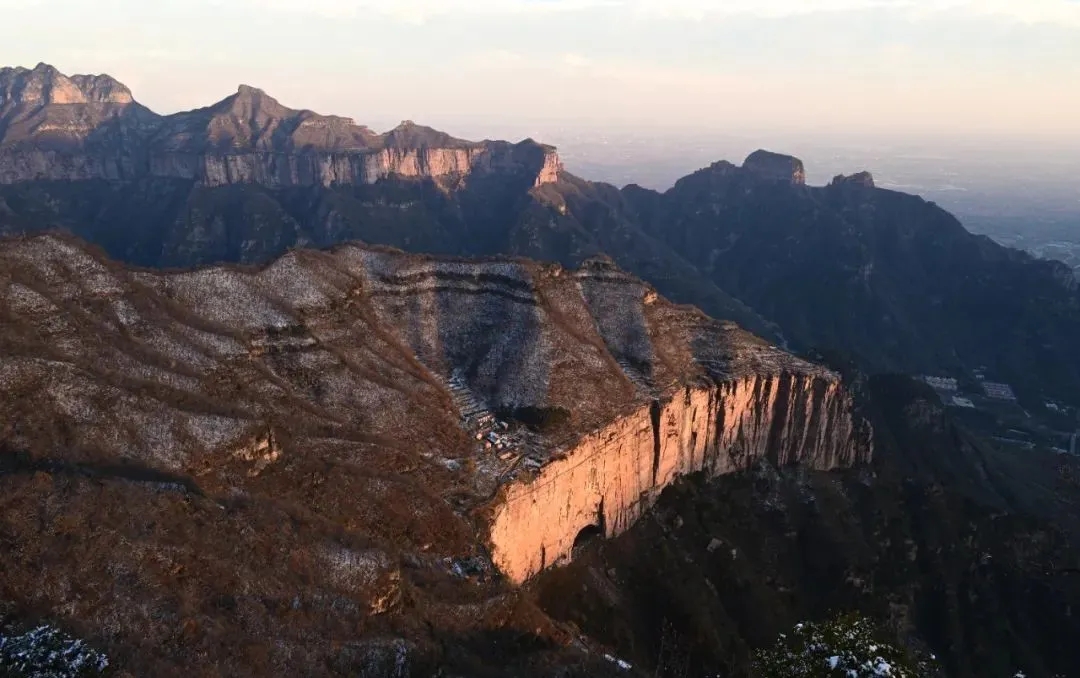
x=55, y=127
x=863, y=179
x=776, y=167
x=611, y=477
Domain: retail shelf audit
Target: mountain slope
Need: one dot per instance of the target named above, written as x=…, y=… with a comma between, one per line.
x=171, y=222
x=956, y=548
x=885, y=276
x=276, y=459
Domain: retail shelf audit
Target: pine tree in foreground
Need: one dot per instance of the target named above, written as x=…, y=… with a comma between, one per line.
x=845, y=647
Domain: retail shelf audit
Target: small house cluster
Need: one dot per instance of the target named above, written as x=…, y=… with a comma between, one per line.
x=961, y=401
x=998, y=391
x=491, y=434
x=942, y=383
x=949, y=389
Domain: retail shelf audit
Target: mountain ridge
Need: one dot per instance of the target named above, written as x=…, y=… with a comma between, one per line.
x=247, y=137
x=267, y=461
x=888, y=277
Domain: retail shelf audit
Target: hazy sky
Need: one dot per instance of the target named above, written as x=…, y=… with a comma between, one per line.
x=967, y=66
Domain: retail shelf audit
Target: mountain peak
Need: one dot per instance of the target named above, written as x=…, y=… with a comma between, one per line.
x=858, y=179
x=44, y=84
x=248, y=96
x=44, y=68
x=249, y=91
x=246, y=105
x=408, y=134
x=776, y=167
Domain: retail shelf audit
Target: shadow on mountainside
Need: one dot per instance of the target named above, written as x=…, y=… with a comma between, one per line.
x=953, y=547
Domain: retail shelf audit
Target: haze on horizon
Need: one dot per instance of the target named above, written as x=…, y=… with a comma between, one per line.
x=851, y=67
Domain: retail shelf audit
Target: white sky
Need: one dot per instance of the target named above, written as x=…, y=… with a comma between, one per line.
x=864, y=66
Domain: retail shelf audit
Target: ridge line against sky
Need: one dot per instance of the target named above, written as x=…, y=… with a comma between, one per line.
x=941, y=66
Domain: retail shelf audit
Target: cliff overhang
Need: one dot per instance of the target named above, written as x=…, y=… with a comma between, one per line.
x=607, y=481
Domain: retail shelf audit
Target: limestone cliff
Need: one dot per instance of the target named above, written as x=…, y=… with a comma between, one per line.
x=56, y=127
x=612, y=476
x=776, y=167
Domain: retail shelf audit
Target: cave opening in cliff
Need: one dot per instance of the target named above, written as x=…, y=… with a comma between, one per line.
x=587, y=535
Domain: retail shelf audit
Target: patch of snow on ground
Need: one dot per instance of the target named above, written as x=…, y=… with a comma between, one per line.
x=354, y=570
x=26, y=301
x=76, y=401
x=157, y=439
x=212, y=431
x=125, y=311
x=287, y=278
x=226, y=297
x=175, y=349
x=215, y=344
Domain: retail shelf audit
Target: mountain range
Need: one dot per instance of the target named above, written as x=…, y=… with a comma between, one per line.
x=281, y=395
x=891, y=279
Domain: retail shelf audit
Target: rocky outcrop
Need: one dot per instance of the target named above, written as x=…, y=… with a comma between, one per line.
x=612, y=476
x=776, y=167
x=54, y=127
x=45, y=85
x=864, y=179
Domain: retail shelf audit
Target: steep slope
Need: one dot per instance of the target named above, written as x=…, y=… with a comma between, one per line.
x=885, y=276
x=169, y=222
x=962, y=550
x=77, y=128
x=276, y=459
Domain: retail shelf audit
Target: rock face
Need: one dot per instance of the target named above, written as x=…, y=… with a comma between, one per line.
x=55, y=127
x=776, y=167
x=748, y=555
x=613, y=476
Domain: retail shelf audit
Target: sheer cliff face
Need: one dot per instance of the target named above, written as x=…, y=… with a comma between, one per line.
x=330, y=168
x=611, y=477
x=55, y=127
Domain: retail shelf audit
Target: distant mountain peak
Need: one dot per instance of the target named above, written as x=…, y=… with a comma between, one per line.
x=248, y=100
x=246, y=137
x=858, y=179
x=44, y=84
x=408, y=134
x=776, y=167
